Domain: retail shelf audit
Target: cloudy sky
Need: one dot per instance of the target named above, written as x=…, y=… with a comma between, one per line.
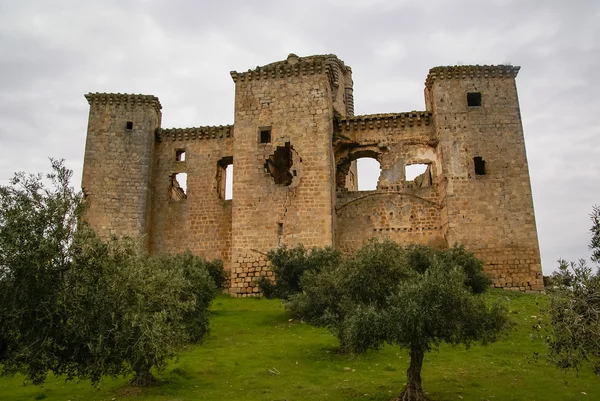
x=52, y=52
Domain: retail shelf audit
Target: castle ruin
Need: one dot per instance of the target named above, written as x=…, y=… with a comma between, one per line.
x=294, y=145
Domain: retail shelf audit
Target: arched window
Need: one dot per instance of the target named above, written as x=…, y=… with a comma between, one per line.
x=358, y=171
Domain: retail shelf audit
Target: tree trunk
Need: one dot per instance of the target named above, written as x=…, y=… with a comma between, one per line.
x=142, y=378
x=413, y=390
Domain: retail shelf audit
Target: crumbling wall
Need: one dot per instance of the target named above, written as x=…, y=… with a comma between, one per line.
x=402, y=210
x=201, y=219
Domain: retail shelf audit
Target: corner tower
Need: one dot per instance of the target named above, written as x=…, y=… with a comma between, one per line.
x=283, y=187
x=117, y=169
x=485, y=189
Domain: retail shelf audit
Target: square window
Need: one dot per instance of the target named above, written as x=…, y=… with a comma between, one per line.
x=129, y=125
x=265, y=135
x=474, y=99
x=180, y=155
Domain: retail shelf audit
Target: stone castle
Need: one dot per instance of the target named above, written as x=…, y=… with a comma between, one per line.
x=294, y=145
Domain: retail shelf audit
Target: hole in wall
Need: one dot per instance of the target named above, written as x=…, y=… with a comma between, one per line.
x=180, y=155
x=129, y=125
x=178, y=190
x=474, y=99
x=280, y=163
x=419, y=174
x=479, y=165
x=368, y=171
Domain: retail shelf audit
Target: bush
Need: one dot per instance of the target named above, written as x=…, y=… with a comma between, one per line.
x=288, y=266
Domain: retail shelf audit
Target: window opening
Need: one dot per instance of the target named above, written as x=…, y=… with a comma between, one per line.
x=229, y=182
x=474, y=99
x=368, y=171
x=178, y=186
x=479, y=165
x=180, y=155
x=225, y=178
x=419, y=174
x=129, y=125
x=265, y=135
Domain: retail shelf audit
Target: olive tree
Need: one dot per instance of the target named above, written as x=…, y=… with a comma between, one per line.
x=413, y=297
x=573, y=328
x=77, y=305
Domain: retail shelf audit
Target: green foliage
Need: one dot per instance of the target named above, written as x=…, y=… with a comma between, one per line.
x=76, y=305
x=289, y=265
x=415, y=297
x=573, y=330
x=37, y=225
x=595, y=230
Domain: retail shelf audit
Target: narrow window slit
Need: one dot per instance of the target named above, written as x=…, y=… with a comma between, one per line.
x=129, y=125
x=479, y=165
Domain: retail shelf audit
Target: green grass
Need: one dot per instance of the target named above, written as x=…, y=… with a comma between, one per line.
x=255, y=353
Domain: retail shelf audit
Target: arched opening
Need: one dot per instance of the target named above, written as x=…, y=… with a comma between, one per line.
x=358, y=171
x=368, y=170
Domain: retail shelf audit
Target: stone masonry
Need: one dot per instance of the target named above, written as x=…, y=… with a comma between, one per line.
x=294, y=145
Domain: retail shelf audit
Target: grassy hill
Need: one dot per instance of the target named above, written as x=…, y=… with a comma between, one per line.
x=255, y=353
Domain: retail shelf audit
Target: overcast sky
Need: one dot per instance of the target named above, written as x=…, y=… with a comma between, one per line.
x=52, y=52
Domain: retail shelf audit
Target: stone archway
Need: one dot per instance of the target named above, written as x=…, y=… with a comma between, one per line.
x=344, y=164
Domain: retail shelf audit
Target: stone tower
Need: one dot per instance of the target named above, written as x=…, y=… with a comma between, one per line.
x=484, y=181
x=117, y=170
x=283, y=158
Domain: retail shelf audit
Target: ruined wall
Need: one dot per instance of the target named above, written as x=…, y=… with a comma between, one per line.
x=201, y=220
x=294, y=151
x=401, y=210
x=491, y=213
x=117, y=170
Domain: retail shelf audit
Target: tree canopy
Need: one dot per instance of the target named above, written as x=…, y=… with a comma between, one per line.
x=77, y=305
x=573, y=328
x=415, y=297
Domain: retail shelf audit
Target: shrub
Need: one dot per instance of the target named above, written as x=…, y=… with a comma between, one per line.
x=289, y=264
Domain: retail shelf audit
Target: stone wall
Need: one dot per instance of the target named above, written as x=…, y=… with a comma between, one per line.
x=200, y=221
x=117, y=170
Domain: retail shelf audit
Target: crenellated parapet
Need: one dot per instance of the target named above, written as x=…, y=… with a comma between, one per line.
x=194, y=133
x=123, y=99
x=295, y=66
x=470, y=72
x=388, y=120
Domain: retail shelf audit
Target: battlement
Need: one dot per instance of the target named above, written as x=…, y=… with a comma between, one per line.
x=123, y=99
x=376, y=121
x=194, y=133
x=293, y=66
x=471, y=71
